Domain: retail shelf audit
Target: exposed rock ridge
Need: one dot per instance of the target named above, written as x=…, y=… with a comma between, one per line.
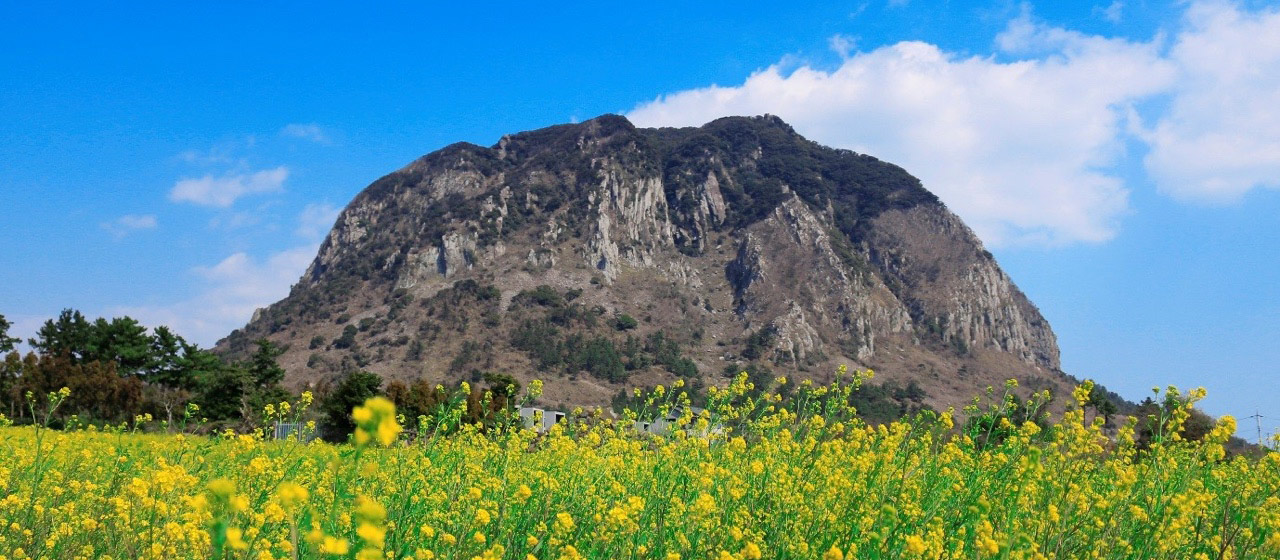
x=741, y=228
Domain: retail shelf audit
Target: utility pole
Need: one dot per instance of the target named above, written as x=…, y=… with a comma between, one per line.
x=1258, y=417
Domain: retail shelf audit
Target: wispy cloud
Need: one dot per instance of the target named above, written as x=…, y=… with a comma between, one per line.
x=231, y=221
x=198, y=157
x=1113, y=13
x=316, y=220
x=842, y=44
x=129, y=223
x=216, y=155
x=223, y=191
x=222, y=153
x=228, y=292
x=311, y=131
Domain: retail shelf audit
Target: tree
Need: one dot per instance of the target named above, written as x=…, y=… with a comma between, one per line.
x=351, y=392
x=175, y=371
x=69, y=333
x=7, y=343
x=418, y=399
x=168, y=399
x=10, y=380
x=1101, y=405
x=97, y=390
x=625, y=322
x=121, y=340
x=348, y=338
x=263, y=366
x=164, y=362
x=502, y=384
x=599, y=357
x=193, y=368
x=223, y=392
x=265, y=375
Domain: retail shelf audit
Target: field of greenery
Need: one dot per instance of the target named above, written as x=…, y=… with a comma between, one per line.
x=787, y=471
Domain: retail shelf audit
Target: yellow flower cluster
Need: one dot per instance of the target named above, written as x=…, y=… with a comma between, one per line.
x=376, y=420
x=754, y=476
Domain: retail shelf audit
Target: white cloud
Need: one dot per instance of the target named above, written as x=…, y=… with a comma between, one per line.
x=1023, y=145
x=842, y=44
x=129, y=223
x=228, y=294
x=231, y=221
x=1220, y=137
x=1019, y=149
x=221, y=153
x=312, y=132
x=223, y=191
x=316, y=220
x=1113, y=13
x=213, y=156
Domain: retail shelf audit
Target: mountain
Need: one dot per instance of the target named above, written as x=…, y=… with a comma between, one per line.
x=598, y=256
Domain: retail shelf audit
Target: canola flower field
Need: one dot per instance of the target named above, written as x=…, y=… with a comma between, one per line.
x=750, y=477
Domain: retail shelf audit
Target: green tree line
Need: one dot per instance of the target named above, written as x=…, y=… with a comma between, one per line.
x=118, y=369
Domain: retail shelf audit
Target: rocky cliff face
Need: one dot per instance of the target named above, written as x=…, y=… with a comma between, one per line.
x=734, y=243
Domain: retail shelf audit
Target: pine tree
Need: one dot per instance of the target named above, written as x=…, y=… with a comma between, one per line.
x=7, y=343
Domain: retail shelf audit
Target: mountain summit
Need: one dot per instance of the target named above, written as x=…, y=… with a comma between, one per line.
x=598, y=256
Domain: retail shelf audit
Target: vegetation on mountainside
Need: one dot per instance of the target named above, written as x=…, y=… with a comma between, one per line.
x=555, y=332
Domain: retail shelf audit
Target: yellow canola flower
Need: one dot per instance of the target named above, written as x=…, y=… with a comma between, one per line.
x=362, y=414
x=372, y=535
x=834, y=553
x=235, y=539
x=1273, y=541
x=369, y=511
x=523, y=492
x=752, y=475
x=291, y=495
x=334, y=546
x=915, y=545
x=221, y=488
x=375, y=421
x=564, y=522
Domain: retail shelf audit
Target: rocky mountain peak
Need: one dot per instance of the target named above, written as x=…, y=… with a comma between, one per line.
x=731, y=244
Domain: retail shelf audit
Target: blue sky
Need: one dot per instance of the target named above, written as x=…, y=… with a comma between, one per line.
x=179, y=162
